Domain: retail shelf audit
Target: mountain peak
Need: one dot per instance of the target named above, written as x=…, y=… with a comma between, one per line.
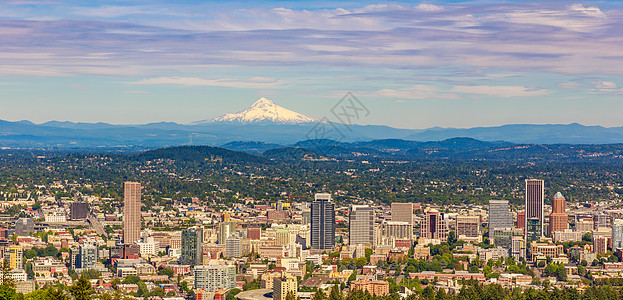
x=263, y=111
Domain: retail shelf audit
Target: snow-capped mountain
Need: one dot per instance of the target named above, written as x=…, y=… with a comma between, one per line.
x=262, y=111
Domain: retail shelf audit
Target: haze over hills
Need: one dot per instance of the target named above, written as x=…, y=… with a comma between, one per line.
x=272, y=126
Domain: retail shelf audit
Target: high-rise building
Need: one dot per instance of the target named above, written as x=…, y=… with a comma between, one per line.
x=24, y=226
x=78, y=210
x=131, y=212
x=468, y=226
x=15, y=254
x=521, y=220
x=88, y=256
x=233, y=246
x=212, y=278
x=225, y=229
x=322, y=222
x=192, y=247
x=390, y=231
x=306, y=217
x=617, y=234
x=282, y=237
x=361, y=225
x=254, y=233
x=434, y=226
x=518, y=248
x=535, y=193
x=601, y=220
x=558, y=219
x=402, y=212
x=600, y=245
x=284, y=285
x=499, y=216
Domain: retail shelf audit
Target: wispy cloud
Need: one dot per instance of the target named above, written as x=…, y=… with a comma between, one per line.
x=501, y=91
x=254, y=82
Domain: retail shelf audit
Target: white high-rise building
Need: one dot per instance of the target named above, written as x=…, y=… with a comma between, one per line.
x=361, y=225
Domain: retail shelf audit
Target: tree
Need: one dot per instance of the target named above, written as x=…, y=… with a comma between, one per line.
x=290, y=296
x=8, y=293
x=451, y=237
x=335, y=294
x=56, y=294
x=5, y=276
x=319, y=295
x=82, y=290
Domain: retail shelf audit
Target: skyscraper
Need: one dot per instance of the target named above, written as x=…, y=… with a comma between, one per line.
x=468, y=226
x=558, y=220
x=617, y=235
x=499, y=216
x=211, y=278
x=79, y=210
x=402, y=212
x=361, y=225
x=131, y=212
x=434, y=226
x=192, y=247
x=322, y=222
x=535, y=193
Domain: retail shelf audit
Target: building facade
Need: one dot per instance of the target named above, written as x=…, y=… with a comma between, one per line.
x=434, y=226
x=284, y=285
x=131, y=212
x=322, y=222
x=402, y=212
x=361, y=225
x=211, y=278
x=558, y=219
x=468, y=226
x=192, y=247
x=617, y=234
x=499, y=216
x=78, y=210
x=535, y=194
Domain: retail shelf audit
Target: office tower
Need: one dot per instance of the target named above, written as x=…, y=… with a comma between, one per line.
x=233, y=246
x=78, y=210
x=617, y=235
x=396, y=230
x=282, y=237
x=192, y=247
x=24, y=226
x=254, y=233
x=521, y=220
x=212, y=278
x=402, y=212
x=306, y=217
x=322, y=222
x=88, y=256
x=535, y=193
x=434, y=226
x=499, y=216
x=131, y=212
x=518, y=249
x=131, y=251
x=361, y=225
x=468, y=226
x=558, y=220
x=601, y=220
x=600, y=245
x=15, y=254
x=225, y=229
x=284, y=285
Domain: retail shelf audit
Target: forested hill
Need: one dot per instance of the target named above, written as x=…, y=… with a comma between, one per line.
x=200, y=154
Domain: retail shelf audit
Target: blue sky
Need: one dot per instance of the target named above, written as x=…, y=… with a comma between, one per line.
x=412, y=64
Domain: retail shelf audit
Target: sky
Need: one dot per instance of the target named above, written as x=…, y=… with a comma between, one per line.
x=411, y=64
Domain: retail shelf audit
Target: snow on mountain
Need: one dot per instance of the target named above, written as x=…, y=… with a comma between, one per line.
x=262, y=111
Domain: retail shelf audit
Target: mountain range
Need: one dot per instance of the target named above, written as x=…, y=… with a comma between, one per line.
x=269, y=126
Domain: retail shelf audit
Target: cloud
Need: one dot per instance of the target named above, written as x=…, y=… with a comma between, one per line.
x=254, y=82
x=149, y=39
x=606, y=87
x=414, y=92
x=501, y=91
x=569, y=85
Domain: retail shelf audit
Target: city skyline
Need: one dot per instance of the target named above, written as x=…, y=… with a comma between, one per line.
x=414, y=65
